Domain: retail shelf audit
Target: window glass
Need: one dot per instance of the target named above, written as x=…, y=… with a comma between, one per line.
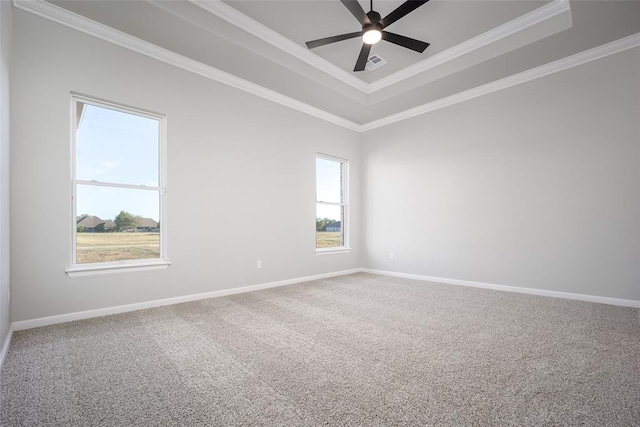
x=117, y=147
x=118, y=201
x=330, y=203
x=329, y=180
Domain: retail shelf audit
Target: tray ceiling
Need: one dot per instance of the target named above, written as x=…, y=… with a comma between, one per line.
x=442, y=23
x=258, y=45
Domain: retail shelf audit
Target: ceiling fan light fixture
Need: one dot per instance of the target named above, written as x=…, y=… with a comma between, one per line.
x=372, y=34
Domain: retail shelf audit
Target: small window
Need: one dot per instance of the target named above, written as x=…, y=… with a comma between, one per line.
x=118, y=185
x=331, y=206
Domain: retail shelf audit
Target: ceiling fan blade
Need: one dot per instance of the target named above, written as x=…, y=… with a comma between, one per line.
x=402, y=10
x=409, y=43
x=362, y=59
x=333, y=39
x=357, y=11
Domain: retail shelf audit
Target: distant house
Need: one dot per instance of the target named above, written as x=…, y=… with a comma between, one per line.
x=94, y=224
x=334, y=226
x=90, y=224
x=148, y=224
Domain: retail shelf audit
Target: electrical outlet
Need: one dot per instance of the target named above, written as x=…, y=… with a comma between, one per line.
x=259, y=264
x=391, y=255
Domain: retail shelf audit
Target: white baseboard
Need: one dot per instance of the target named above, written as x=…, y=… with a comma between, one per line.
x=52, y=320
x=530, y=291
x=5, y=346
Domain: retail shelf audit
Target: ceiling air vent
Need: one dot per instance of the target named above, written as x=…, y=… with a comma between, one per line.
x=374, y=62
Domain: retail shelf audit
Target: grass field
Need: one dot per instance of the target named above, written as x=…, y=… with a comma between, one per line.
x=101, y=247
x=328, y=239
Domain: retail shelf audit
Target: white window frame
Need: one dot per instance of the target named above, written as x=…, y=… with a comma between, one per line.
x=344, y=203
x=109, y=267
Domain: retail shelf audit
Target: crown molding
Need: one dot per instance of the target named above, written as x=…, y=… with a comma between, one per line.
x=80, y=23
x=87, y=26
x=581, y=58
x=255, y=28
x=517, y=25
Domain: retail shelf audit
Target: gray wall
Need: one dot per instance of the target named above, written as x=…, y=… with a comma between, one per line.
x=5, y=264
x=241, y=176
x=533, y=186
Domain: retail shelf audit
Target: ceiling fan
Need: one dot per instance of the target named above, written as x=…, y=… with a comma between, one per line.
x=373, y=26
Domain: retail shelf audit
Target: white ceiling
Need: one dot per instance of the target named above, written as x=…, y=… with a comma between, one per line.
x=260, y=44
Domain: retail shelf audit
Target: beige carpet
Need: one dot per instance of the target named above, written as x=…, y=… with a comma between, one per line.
x=354, y=350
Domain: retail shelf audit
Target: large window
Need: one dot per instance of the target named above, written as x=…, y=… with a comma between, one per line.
x=331, y=205
x=118, y=186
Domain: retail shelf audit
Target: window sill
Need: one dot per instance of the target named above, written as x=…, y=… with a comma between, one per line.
x=100, y=270
x=328, y=251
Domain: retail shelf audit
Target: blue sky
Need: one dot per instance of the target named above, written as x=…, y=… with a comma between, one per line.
x=121, y=148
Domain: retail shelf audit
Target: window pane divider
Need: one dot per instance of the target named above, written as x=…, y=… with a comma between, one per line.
x=112, y=184
x=330, y=203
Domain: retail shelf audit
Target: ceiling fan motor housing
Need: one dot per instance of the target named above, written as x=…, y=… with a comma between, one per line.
x=374, y=17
